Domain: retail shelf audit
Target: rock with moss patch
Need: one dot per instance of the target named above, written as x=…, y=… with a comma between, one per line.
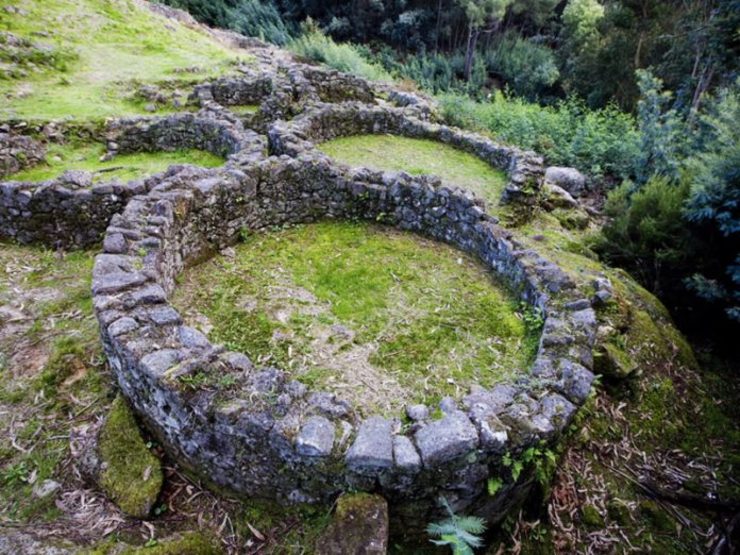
x=129, y=473
x=359, y=527
x=190, y=543
x=612, y=361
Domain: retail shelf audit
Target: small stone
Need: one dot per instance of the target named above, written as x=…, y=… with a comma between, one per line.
x=557, y=197
x=602, y=297
x=417, y=413
x=164, y=315
x=448, y=405
x=157, y=363
x=150, y=107
x=117, y=281
x=192, y=338
x=115, y=243
x=443, y=440
x=238, y=361
x=296, y=389
x=373, y=446
x=569, y=179
x=122, y=326
x=46, y=488
x=328, y=404
x=580, y=304
x=405, y=454
x=316, y=438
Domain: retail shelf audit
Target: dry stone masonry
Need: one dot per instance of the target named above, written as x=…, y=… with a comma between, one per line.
x=73, y=211
x=324, y=122
x=253, y=429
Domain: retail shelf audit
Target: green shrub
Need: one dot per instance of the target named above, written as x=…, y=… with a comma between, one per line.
x=528, y=68
x=647, y=234
x=316, y=46
x=599, y=142
x=714, y=201
x=259, y=19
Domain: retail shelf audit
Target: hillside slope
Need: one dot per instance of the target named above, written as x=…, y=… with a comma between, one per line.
x=85, y=58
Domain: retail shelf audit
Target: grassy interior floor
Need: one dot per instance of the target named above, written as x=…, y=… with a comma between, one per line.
x=98, y=51
x=124, y=167
x=368, y=312
x=420, y=156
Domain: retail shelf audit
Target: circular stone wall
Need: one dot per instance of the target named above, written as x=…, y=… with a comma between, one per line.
x=324, y=122
x=254, y=431
x=73, y=211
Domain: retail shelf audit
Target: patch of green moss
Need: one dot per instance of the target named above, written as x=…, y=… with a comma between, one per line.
x=86, y=156
x=592, y=517
x=296, y=527
x=131, y=474
x=420, y=156
x=244, y=109
x=657, y=516
x=190, y=543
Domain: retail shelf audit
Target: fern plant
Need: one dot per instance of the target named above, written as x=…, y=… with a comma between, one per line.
x=460, y=533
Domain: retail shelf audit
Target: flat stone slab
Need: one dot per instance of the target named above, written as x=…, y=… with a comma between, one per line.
x=316, y=438
x=373, y=447
x=443, y=440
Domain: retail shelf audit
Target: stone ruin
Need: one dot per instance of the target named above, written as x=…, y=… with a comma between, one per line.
x=259, y=433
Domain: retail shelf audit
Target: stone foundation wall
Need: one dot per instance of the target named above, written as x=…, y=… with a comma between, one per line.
x=72, y=211
x=328, y=121
x=253, y=429
x=268, y=436
x=18, y=152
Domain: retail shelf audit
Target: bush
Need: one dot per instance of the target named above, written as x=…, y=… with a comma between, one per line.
x=316, y=46
x=714, y=201
x=600, y=142
x=259, y=19
x=648, y=235
x=529, y=69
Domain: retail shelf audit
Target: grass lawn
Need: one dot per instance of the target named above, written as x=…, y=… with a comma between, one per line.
x=363, y=310
x=86, y=156
x=417, y=157
x=101, y=50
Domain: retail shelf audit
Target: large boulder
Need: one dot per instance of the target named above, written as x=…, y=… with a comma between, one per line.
x=569, y=179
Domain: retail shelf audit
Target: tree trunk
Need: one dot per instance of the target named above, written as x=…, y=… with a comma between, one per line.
x=473, y=33
x=436, y=30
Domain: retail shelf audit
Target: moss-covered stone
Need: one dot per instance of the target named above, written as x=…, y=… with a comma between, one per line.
x=130, y=474
x=613, y=361
x=360, y=525
x=191, y=543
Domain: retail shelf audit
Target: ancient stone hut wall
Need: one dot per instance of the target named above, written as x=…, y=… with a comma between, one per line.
x=328, y=121
x=73, y=211
x=267, y=436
